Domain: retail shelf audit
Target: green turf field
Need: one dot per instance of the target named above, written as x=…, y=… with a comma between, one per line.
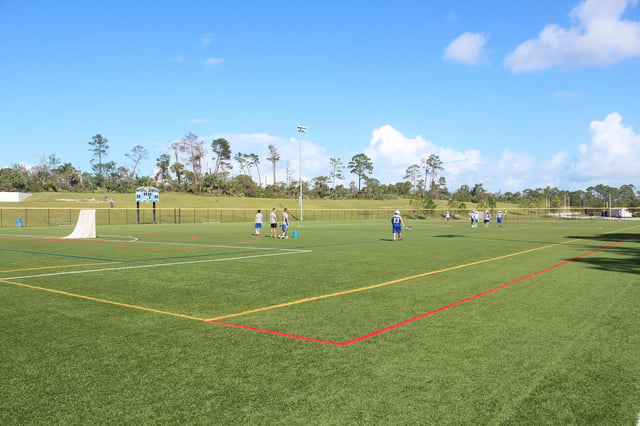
x=532, y=323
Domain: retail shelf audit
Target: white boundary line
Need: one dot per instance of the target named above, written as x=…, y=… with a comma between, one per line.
x=43, y=236
x=196, y=245
x=127, y=238
x=155, y=265
x=132, y=239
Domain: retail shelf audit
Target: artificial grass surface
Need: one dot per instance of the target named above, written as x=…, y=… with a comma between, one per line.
x=559, y=347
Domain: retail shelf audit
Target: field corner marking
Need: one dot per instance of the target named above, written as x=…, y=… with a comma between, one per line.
x=279, y=333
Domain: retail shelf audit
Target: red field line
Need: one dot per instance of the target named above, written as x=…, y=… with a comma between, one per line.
x=426, y=314
x=279, y=333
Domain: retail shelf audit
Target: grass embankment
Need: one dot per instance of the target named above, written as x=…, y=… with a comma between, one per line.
x=184, y=200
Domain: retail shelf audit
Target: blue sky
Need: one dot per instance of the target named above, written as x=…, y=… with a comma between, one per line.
x=510, y=94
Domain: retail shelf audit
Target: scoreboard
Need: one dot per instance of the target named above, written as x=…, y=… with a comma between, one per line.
x=146, y=194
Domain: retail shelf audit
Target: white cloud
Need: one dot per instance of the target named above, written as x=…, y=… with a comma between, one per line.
x=467, y=48
x=515, y=171
x=513, y=162
x=391, y=153
x=512, y=172
x=600, y=37
x=612, y=154
x=212, y=62
x=315, y=160
x=389, y=144
x=556, y=161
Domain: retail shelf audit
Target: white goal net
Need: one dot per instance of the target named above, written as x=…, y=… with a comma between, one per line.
x=86, y=225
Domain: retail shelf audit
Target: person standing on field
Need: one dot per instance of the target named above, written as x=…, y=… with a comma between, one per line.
x=273, y=220
x=258, y=222
x=397, y=223
x=285, y=223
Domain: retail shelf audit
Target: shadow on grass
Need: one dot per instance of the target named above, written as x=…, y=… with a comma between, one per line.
x=615, y=258
x=611, y=238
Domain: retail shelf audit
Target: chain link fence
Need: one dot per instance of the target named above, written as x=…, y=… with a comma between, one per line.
x=35, y=216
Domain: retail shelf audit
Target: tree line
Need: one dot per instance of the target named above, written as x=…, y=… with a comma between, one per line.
x=191, y=165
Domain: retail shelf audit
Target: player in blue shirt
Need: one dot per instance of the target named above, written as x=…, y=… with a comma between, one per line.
x=396, y=225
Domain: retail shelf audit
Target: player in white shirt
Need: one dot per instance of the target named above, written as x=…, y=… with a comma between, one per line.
x=273, y=221
x=257, y=223
x=285, y=224
x=474, y=218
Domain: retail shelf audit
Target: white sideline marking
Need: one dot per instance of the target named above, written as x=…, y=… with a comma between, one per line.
x=46, y=237
x=196, y=245
x=128, y=238
x=188, y=262
x=132, y=239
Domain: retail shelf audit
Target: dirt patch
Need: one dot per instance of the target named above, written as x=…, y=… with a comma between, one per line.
x=74, y=200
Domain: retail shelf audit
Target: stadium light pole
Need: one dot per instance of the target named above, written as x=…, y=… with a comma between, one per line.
x=301, y=129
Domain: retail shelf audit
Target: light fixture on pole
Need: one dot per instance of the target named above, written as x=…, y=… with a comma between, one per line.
x=301, y=129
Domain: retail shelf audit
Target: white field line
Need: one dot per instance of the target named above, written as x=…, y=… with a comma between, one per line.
x=132, y=239
x=156, y=265
x=118, y=238
x=195, y=245
x=126, y=238
x=43, y=236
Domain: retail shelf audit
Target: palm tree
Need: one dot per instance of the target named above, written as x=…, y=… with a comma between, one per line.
x=360, y=165
x=162, y=163
x=178, y=169
x=413, y=174
x=337, y=170
x=254, y=160
x=222, y=149
x=435, y=165
x=273, y=158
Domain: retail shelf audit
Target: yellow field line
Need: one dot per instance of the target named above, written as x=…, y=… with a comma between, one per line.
x=58, y=266
x=399, y=280
x=110, y=302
